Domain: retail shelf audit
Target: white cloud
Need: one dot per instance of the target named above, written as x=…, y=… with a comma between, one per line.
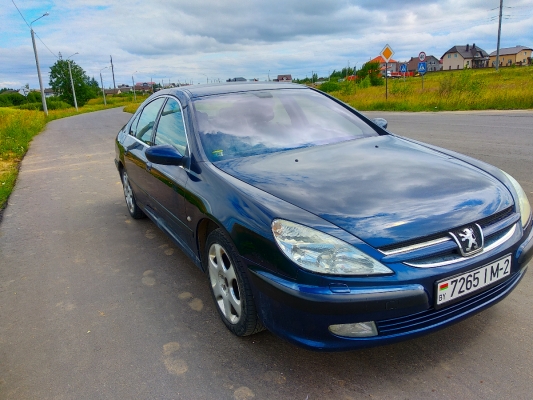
x=187, y=40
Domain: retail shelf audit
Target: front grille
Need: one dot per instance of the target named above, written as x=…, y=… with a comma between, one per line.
x=434, y=318
x=441, y=249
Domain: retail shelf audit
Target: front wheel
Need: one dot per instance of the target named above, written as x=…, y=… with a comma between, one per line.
x=230, y=287
x=133, y=208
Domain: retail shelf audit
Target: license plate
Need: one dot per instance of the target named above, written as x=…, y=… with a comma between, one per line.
x=472, y=281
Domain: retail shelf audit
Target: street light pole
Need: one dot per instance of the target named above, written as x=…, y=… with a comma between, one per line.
x=43, y=97
x=102, y=83
x=72, y=82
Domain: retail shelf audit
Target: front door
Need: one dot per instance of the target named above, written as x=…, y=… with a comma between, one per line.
x=140, y=138
x=169, y=180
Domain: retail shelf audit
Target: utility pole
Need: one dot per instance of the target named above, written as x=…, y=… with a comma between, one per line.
x=43, y=97
x=72, y=84
x=113, y=71
x=499, y=35
x=102, y=83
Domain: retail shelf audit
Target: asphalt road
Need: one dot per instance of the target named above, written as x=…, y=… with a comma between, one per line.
x=95, y=305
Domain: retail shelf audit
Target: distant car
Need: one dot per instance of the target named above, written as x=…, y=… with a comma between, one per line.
x=317, y=223
x=240, y=79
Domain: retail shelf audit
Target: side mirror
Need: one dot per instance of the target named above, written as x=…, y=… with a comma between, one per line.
x=381, y=122
x=164, y=155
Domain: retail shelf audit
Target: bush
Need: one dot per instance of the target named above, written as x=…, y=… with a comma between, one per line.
x=11, y=99
x=365, y=83
x=31, y=106
x=51, y=103
x=446, y=86
x=329, y=87
x=34, y=97
x=348, y=87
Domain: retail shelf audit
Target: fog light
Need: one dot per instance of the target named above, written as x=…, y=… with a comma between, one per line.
x=359, y=329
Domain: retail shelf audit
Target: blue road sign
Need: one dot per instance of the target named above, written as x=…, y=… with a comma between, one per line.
x=403, y=68
x=422, y=68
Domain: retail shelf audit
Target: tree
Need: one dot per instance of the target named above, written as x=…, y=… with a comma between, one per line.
x=83, y=85
x=372, y=70
x=342, y=74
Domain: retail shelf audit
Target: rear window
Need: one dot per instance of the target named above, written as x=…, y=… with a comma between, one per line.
x=260, y=122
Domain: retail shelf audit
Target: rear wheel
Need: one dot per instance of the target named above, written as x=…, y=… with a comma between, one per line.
x=133, y=208
x=230, y=287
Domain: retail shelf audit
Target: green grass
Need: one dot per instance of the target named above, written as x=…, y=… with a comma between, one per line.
x=481, y=89
x=18, y=127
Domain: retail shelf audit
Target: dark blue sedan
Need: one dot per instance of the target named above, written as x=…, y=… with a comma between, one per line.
x=317, y=223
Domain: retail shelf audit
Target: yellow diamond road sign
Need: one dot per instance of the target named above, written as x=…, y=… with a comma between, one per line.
x=387, y=53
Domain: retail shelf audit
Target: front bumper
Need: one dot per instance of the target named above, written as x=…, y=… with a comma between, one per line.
x=400, y=313
x=303, y=313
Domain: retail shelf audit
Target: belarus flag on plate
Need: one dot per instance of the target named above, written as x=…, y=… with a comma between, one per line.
x=443, y=286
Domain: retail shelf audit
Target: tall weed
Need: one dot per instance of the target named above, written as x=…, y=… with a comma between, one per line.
x=477, y=89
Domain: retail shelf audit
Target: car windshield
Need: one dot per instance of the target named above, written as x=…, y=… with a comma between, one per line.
x=268, y=121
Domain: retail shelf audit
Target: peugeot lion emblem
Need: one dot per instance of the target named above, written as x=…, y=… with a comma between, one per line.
x=469, y=239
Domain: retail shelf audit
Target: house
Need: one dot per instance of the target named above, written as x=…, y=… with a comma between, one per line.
x=518, y=55
x=284, y=78
x=432, y=64
x=460, y=57
x=112, y=91
x=392, y=65
x=125, y=88
x=144, y=87
x=49, y=93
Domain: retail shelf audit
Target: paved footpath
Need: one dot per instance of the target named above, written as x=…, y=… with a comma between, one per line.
x=95, y=305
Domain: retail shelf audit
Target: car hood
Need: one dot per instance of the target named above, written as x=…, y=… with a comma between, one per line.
x=384, y=190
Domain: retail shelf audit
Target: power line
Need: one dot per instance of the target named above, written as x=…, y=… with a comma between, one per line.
x=51, y=52
x=13, y=1
x=20, y=13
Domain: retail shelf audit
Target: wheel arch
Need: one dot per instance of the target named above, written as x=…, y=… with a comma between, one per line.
x=204, y=228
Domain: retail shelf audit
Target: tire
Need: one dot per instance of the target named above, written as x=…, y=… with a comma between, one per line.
x=131, y=204
x=230, y=287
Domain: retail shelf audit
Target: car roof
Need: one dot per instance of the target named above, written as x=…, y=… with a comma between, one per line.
x=195, y=91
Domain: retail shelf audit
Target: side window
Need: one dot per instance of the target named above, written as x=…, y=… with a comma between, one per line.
x=171, y=129
x=133, y=125
x=145, y=126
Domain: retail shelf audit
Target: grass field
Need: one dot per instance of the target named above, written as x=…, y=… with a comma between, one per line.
x=481, y=89
x=18, y=127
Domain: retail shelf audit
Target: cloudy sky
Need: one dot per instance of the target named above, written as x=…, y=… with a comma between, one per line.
x=200, y=40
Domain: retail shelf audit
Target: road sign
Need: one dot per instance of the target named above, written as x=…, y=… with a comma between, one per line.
x=422, y=56
x=387, y=53
x=403, y=68
x=422, y=68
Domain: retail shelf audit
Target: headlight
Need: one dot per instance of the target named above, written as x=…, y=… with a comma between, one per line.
x=318, y=252
x=523, y=202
